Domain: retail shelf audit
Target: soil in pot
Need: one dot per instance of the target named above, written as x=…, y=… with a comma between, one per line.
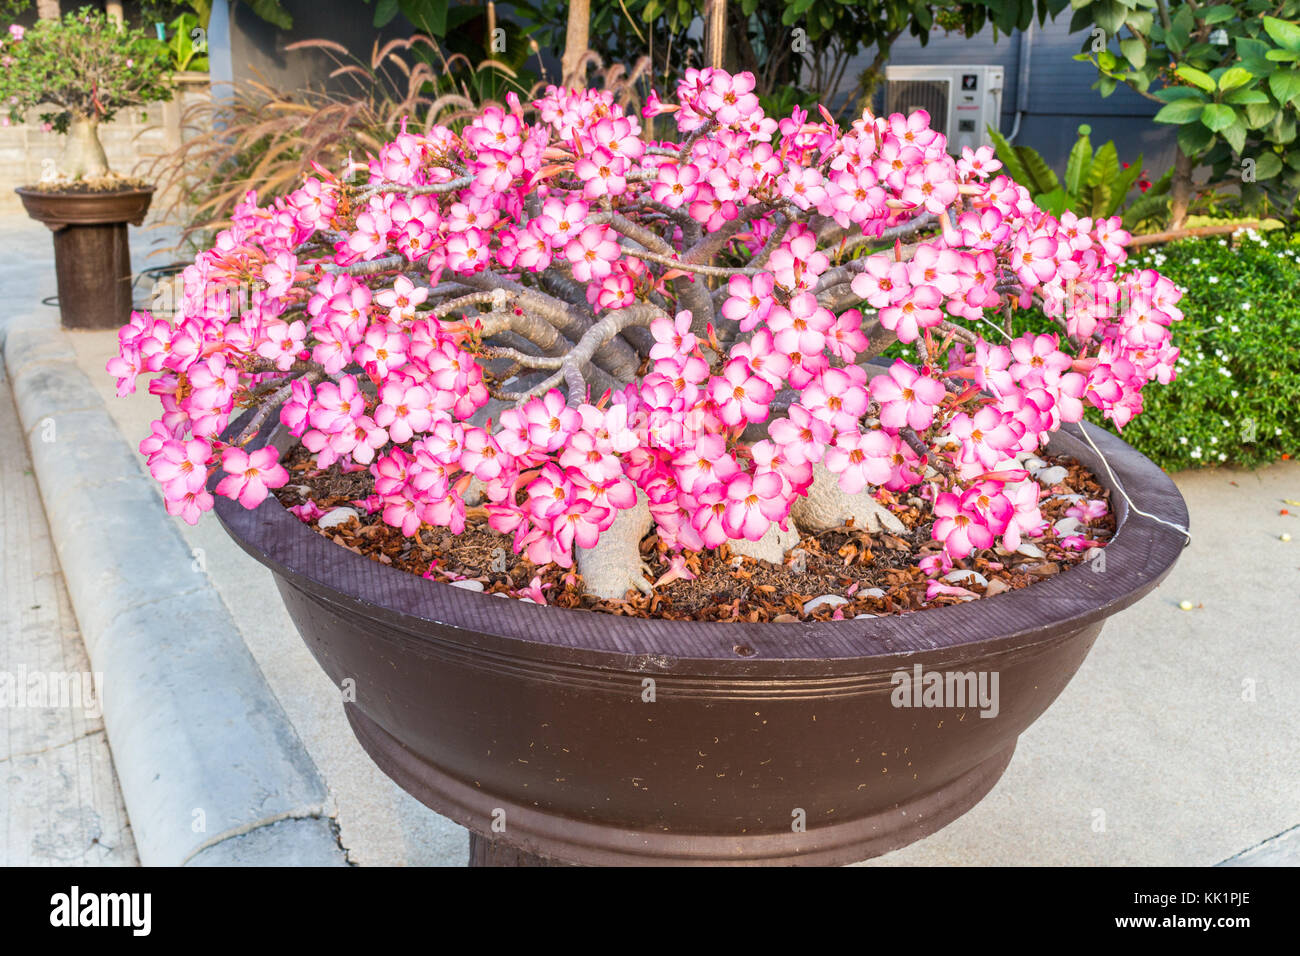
x=835, y=575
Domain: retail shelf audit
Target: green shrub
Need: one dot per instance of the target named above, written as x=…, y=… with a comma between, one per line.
x=1237, y=396
x=1236, y=400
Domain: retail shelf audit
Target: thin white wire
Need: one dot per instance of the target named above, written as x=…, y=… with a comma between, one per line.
x=1177, y=527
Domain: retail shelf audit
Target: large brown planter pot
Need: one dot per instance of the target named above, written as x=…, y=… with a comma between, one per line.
x=495, y=711
x=92, y=256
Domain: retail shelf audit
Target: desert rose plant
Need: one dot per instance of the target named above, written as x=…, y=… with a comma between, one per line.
x=672, y=334
x=85, y=67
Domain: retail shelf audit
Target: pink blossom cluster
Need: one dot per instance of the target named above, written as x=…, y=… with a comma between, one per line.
x=370, y=313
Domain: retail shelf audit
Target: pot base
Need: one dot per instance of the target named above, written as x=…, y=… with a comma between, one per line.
x=535, y=838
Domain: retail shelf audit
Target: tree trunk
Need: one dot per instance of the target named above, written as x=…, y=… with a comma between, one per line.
x=576, y=44
x=47, y=9
x=113, y=10
x=84, y=158
x=715, y=33
x=1180, y=191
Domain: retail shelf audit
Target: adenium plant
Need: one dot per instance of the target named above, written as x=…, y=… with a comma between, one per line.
x=85, y=67
x=592, y=334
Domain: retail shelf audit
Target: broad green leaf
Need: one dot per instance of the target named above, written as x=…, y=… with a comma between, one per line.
x=1267, y=166
x=1096, y=201
x=1077, y=166
x=1217, y=14
x=1234, y=77
x=1007, y=154
x=1259, y=115
x=1282, y=56
x=1041, y=175
x=1105, y=166
x=1180, y=111
x=1194, y=76
x=385, y=10
x=1171, y=93
x=1134, y=51
x=1285, y=85
x=1053, y=202
x=1246, y=97
x=1235, y=134
x=1194, y=138
x=1284, y=33
x=1217, y=116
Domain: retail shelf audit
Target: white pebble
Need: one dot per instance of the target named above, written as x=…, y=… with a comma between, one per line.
x=872, y=593
x=468, y=585
x=817, y=602
x=966, y=578
x=1185, y=605
x=1030, y=550
x=337, y=516
x=1051, y=476
x=859, y=617
x=1034, y=464
x=1066, y=526
x=1284, y=537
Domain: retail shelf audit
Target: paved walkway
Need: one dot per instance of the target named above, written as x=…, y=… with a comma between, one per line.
x=1175, y=744
x=59, y=799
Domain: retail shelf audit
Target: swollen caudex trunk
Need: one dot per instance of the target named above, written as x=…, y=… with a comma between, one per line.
x=614, y=565
x=83, y=157
x=828, y=506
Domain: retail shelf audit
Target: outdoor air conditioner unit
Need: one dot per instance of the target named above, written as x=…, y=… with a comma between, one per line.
x=962, y=100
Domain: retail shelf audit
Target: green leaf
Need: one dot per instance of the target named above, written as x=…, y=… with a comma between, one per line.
x=1285, y=85
x=1134, y=51
x=1267, y=166
x=385, y=10
x=1180, y=111
x=1077, y=166
x=1194, y=138
x=1284, y=33
x=1109, y=15
x=428, y=16
x=1043, y=179
x=272, y=12
x=1259, y=115
x=1053, y=202
x=1007, y=155
x=1218, y=14
x=1245, y=97
x=1236, y=134
x=1217, y=116
x=1194, y=76
x=1105, y=166
x=1171, y=93
x=1234, y=77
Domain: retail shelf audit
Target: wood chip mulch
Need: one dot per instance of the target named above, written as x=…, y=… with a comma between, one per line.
x=876, y=573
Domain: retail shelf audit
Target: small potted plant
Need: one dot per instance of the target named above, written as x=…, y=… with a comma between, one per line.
x=84, y=68
x=587, y=481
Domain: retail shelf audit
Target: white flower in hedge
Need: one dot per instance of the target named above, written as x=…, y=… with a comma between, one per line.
x=1245, y=306
x=1182, y=439
x=1196, y=452
x=1214, y=280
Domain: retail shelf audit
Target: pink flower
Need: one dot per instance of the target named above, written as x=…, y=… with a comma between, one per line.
x=251, y=476
x=906, y=397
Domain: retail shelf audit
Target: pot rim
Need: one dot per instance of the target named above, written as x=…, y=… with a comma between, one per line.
x=1138, y=557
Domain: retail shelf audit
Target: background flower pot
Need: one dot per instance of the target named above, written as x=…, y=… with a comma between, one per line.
x=606, y=740
x=92, y=257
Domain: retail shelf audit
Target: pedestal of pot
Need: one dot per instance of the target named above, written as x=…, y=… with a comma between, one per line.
x=92, y=255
